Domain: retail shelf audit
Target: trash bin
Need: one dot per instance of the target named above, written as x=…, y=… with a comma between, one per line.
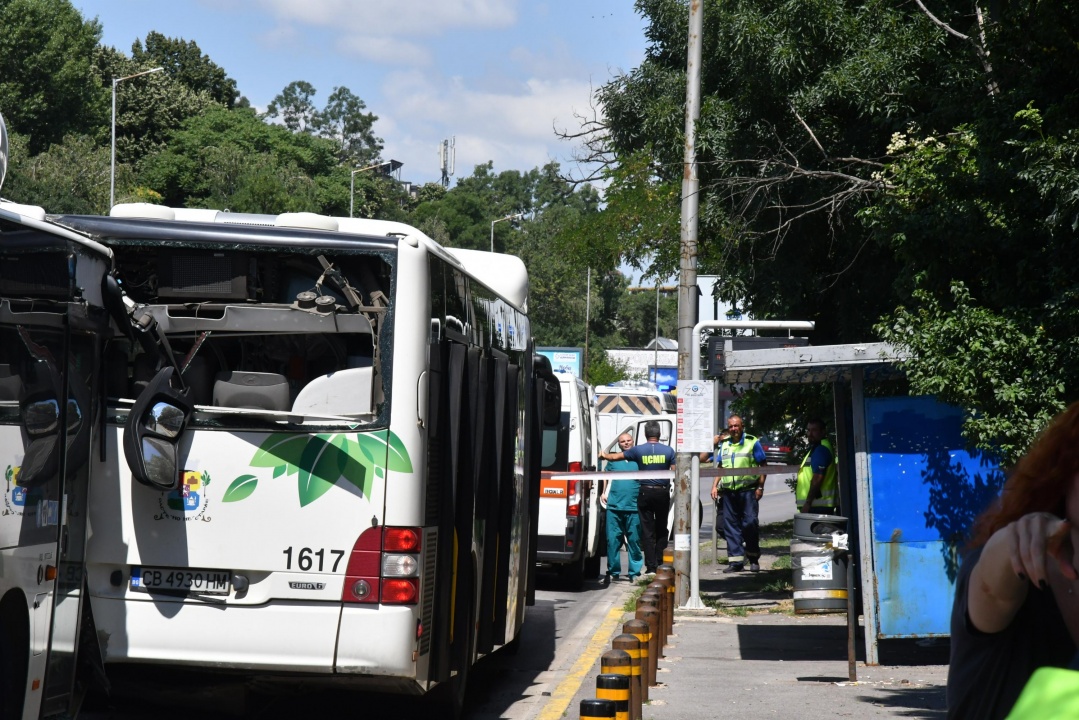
x=820, y=571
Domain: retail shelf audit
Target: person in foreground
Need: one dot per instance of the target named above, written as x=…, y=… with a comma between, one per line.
x=654, y=499
x=1017, y=596
x=623, y=523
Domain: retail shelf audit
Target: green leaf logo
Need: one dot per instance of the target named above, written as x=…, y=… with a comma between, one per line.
x=240, y=488
x=321, y=461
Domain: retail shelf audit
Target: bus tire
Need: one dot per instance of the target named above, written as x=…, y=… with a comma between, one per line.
x=14, y=656
x=449, y=699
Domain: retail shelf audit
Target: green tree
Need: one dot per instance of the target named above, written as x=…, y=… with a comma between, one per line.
x=853, y=153
x=70, y=177
x=47, y=85
x=185, y=63
x=148, y=108
x=224, y=157
x=296, y=107
x=344, y=122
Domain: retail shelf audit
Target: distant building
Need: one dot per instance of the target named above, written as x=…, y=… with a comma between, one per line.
x=641, y=362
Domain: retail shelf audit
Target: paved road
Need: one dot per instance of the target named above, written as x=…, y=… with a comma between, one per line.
x=777, y=504
x=503, y=686
x=555, y=641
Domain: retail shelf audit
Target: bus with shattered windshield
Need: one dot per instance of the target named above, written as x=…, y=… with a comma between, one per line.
x=294, y=449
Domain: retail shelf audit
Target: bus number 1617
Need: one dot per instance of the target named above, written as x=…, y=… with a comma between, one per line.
x=308, y=559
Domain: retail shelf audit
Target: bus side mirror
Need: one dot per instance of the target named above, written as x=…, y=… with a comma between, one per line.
x=41, y=426
x=153, y=432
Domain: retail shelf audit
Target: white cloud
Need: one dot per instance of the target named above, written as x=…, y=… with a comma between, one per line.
x=515, y=130
x=384, y=49
x=396, y=18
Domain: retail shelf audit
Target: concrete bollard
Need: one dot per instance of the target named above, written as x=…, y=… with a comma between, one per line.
x=639, y=630
x=651, y=617
x=630, y=644
x=616, y=688
x=651, y=599
x=596, y=709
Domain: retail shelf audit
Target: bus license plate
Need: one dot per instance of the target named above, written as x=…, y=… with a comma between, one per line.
x=177, y=580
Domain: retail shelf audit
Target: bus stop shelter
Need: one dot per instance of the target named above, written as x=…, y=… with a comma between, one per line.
x=909, y=487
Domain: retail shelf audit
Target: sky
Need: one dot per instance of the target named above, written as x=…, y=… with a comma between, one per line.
x=499, y=76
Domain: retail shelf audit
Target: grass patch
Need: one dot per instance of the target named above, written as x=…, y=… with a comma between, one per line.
x=778, y=585
x=784, y=607
x=777, y=535
x=631, y=602
x=783, y=562
x=725, y=609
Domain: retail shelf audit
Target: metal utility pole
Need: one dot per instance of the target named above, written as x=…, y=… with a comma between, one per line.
x=587, y=320
x=655, y=348
x=688, y=463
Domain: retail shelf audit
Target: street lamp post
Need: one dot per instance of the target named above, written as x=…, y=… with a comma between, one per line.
x=515, y=216
x=352, y=182
x=112, y=163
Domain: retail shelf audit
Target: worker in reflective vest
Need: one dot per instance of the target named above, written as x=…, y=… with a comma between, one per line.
x=740, y=495
x=817, y=490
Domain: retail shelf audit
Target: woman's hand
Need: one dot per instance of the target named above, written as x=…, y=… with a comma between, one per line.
x=1015, y=557
x=1034, y=538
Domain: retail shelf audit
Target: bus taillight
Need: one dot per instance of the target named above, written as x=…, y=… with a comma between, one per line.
x=400, y=592
x=573, y=499
x=363, y=574
x=384, y=567
x=401, y=539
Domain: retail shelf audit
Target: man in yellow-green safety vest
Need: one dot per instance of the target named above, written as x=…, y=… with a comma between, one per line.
x=817, y=490
x=740, y=495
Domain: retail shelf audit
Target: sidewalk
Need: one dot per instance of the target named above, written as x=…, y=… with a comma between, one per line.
x=748, y=656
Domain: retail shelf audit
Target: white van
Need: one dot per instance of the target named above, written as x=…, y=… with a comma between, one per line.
x=572, y=527
x=621, y=404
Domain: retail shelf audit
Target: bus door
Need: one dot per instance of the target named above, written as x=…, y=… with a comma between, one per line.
x=49, y=332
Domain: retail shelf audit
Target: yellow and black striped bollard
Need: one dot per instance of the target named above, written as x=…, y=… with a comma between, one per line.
x=616, y=688
x=639, y=630
x=651, y=618
x=596, y=709
x=632, y=645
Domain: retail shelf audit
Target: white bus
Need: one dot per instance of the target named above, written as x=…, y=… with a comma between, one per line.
x=52, y=329
x=311, y=448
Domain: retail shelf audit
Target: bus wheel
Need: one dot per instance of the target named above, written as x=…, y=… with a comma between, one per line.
x=448, y=700
x=14, y=652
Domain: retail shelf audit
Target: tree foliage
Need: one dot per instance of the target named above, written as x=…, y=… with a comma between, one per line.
x=858, y=164
x=47, y=85
x=185, y=63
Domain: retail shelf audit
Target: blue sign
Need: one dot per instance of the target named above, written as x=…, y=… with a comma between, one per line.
x=564, y=359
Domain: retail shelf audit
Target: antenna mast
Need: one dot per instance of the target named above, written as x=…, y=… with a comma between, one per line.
x=447, y=157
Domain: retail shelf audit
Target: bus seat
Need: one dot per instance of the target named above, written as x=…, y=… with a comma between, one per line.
x=200, y=377
x=254, y=390
x=345, y=392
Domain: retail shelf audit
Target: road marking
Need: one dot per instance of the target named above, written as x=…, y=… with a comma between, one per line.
x=563, y=695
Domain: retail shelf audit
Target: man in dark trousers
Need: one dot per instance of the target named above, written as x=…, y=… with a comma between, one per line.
x=740, y=495
x=654, y=501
